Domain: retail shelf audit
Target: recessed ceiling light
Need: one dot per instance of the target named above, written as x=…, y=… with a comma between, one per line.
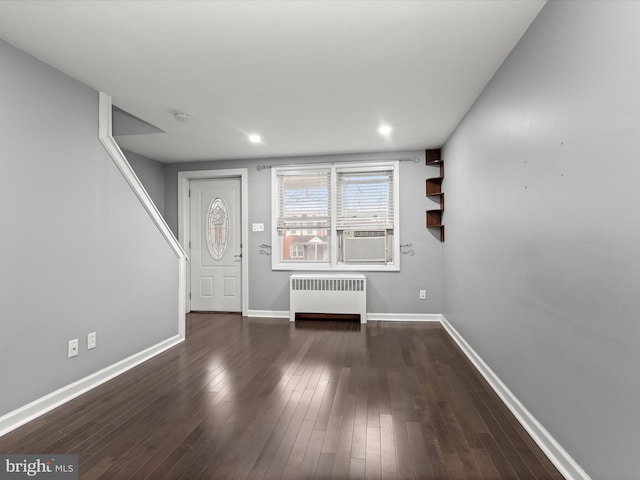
x=385, y=130
x=255, y=138
x=182, y=117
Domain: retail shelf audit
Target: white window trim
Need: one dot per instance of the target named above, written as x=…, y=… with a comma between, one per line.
x=333, y=264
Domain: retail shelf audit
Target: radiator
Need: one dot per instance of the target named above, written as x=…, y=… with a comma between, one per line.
x=328, y=293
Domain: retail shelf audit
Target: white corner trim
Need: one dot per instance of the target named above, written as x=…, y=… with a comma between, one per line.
x=403, y=317
x=567, y=466
x=113, y=150
x=30, y=411
x=269, y=313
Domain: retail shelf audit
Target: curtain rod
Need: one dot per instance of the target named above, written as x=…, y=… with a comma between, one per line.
x=405, y=159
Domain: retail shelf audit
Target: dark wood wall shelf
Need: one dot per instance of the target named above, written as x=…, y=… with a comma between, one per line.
x=434, y=186
x=433, y=190
x=434, y=222
x=434, y=218
x=434, y=157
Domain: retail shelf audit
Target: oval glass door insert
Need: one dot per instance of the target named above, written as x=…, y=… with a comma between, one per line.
x=217, y=228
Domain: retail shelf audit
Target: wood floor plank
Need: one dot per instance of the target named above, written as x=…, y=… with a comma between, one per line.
x=418, y=451
x=373, y=459
x=485, y=465
x=324, y=412
x=432, y=440
x=104, y=464
x=388, y=448
x=265, y=398
x=373, y=398
x=502, y=463
x=359, y=440
x=357, y=469
x=324, y=467
x=403, y=447
x=312, y=455
x=281, y=455
x=316, y=401
x=343, y=454
x=298, y=451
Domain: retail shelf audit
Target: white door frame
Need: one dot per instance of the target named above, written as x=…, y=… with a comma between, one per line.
x=184, y=227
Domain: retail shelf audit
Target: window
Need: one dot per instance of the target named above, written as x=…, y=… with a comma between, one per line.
x=302, y=199
x=341, y=217
x=297, y=251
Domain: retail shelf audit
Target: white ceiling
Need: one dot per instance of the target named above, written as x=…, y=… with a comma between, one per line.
x=311, y=77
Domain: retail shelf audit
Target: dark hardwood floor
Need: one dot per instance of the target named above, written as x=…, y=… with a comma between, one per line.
x=264, y=398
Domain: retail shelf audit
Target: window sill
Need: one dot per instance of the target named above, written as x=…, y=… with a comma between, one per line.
x=309, y=267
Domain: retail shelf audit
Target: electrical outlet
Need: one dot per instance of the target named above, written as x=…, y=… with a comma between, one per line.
x=73, y=348
x=91, y=341
x=423, y=294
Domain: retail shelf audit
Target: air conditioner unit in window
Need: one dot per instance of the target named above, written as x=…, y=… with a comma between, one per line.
x=364, y=245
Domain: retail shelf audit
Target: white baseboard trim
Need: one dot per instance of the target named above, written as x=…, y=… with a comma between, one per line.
x=269, y=313
x=371, y=317
x=30, y=411
x=403, y=317
x=567, y=466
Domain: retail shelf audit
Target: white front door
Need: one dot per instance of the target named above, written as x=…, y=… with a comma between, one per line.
x=216, y=250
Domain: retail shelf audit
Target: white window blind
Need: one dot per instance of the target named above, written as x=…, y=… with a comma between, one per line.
x=303, y=199
x=365, y=199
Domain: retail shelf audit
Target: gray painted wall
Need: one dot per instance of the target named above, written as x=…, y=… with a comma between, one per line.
x=389, y=292
x=542, y=258
x=80, y=253
x=151, y=175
